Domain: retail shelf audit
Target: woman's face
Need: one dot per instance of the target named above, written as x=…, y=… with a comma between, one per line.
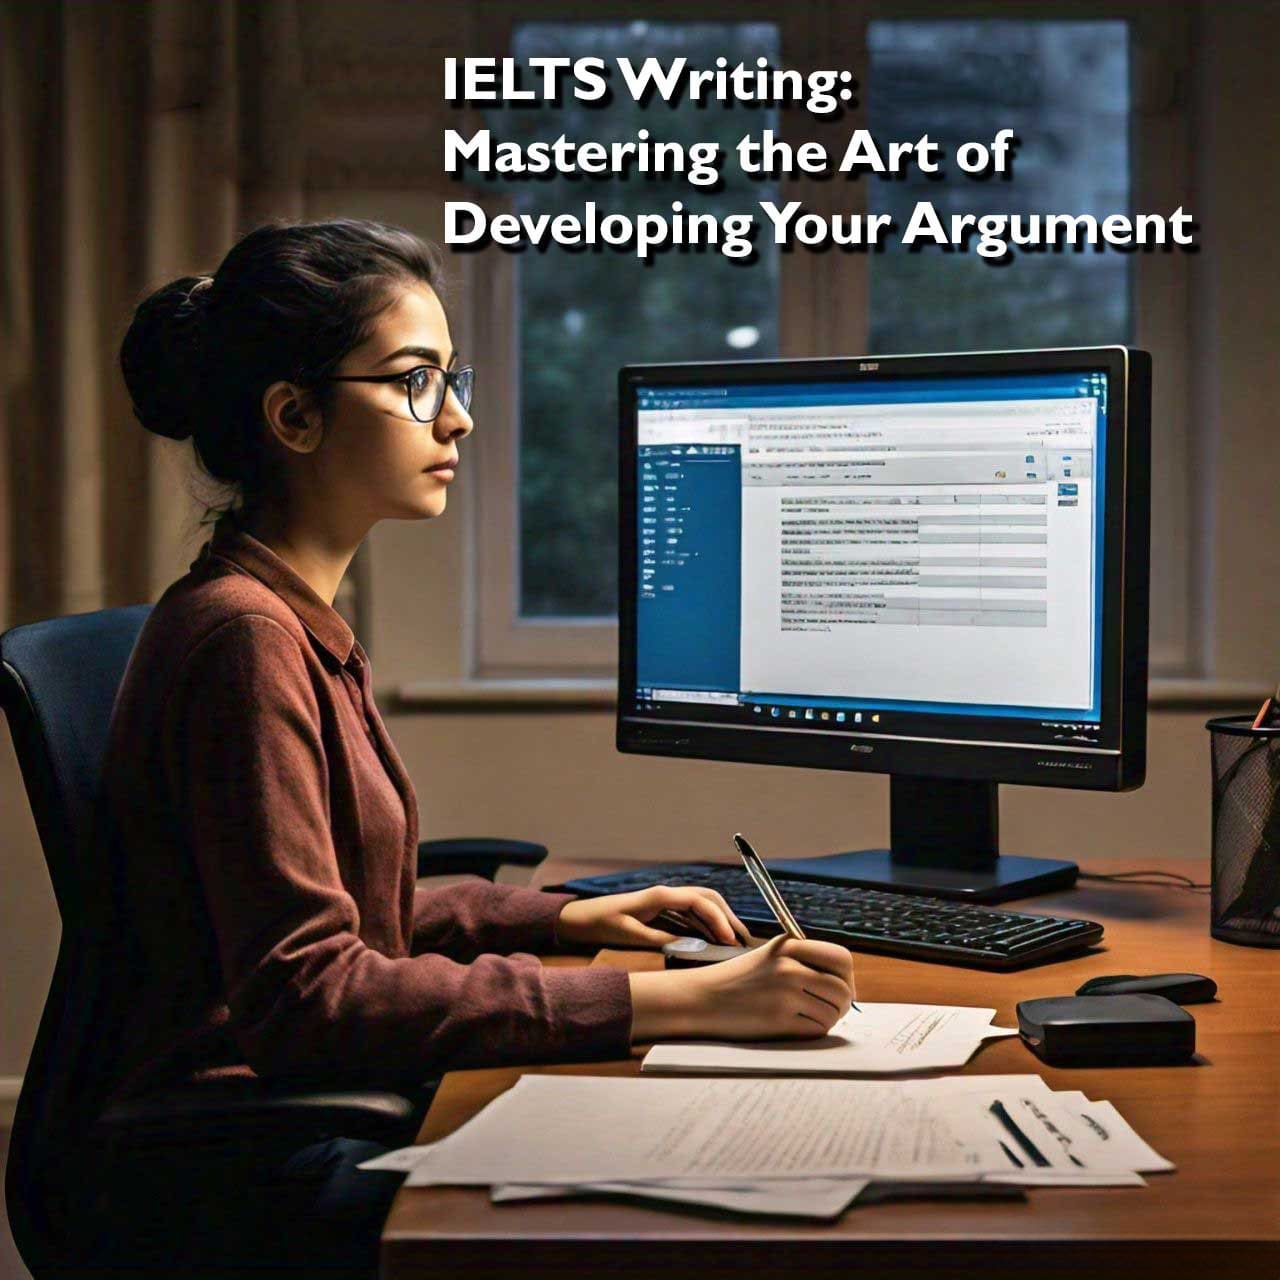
x=383, y=462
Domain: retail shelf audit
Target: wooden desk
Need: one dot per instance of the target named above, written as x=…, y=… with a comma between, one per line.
x=1218, y=1121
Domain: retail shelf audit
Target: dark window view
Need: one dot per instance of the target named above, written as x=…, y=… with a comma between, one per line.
x=1063, y=87
x=584, y=314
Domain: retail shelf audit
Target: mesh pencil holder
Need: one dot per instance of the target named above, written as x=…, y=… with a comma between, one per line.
x=1246, y=832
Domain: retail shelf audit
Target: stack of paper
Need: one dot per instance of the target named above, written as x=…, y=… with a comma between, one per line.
x=804, y=1146
x=876, y=1039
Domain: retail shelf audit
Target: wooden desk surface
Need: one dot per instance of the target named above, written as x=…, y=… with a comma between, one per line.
x=1218, y=1121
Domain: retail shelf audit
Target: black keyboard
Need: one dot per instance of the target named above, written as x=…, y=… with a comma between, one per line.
x=870, y=919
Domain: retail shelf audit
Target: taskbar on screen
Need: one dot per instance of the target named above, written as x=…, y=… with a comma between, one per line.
x=1035, y=726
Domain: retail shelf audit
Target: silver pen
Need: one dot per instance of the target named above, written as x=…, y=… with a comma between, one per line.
x=763, y=881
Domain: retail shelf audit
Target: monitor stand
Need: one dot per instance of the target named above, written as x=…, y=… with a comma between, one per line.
x=944, y=834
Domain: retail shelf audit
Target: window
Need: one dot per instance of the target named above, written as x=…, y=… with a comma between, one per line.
x=1098, y=107
x=1063, y=87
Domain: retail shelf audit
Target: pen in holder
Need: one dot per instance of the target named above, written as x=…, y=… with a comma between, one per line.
x=1246, y=832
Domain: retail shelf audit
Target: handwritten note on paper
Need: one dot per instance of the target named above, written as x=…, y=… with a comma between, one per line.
x=881, y=1039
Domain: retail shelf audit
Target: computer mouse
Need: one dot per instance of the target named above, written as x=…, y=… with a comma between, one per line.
x=693, y=953
x=1181, y=988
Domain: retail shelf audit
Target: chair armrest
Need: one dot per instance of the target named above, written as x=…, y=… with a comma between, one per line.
x=478, y=856
x=224, y=1111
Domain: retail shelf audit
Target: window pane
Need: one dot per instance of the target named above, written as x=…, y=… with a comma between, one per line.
x=584, y=314
x=1063, y=88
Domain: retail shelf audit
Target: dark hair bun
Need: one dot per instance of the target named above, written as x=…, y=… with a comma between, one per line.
x=161, y=358
x=286, y=304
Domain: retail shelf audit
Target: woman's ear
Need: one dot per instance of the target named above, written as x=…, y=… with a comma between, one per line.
x=293, y=417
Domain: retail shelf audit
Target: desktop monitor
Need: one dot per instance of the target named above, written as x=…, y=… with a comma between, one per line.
x=931, y=566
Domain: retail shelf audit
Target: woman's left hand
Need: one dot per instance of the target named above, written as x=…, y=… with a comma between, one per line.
x=624, y=919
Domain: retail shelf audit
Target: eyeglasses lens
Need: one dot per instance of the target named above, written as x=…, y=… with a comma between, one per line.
x=427, y=388
x=464, y=382
x=426, y=393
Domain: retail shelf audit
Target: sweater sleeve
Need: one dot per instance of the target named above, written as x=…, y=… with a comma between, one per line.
x=471, y=917
x=306, y=995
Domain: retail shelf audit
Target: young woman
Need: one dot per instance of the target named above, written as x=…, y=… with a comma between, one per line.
x=265, y=826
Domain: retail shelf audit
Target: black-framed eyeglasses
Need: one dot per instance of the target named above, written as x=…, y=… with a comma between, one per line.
x=425, y=385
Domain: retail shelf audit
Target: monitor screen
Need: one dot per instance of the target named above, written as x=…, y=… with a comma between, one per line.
x=902, y=555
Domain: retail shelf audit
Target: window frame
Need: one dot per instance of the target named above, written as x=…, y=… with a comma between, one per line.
x=823, y=308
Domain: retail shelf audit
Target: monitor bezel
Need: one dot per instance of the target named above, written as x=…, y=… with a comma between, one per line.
x=1118, y=763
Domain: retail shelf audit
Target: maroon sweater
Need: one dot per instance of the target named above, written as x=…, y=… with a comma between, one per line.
x=266, y=834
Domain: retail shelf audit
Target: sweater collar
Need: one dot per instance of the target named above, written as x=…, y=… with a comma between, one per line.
x=322, y=621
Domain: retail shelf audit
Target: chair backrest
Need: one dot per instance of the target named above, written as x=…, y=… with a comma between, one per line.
x=58, y=683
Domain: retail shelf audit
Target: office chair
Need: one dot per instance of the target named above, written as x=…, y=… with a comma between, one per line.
x=58, y=682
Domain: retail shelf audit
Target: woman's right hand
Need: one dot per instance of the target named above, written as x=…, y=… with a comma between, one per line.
x=785, y=989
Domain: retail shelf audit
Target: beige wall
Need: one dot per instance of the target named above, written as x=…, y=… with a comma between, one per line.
x=28, y=921
x=557, y=779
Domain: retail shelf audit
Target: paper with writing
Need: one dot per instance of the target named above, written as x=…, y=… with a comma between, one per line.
x=880, y=1039
x=796, y=1147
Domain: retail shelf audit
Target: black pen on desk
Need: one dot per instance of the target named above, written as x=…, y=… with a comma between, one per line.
x=1010, y=1126
x=763, y=881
